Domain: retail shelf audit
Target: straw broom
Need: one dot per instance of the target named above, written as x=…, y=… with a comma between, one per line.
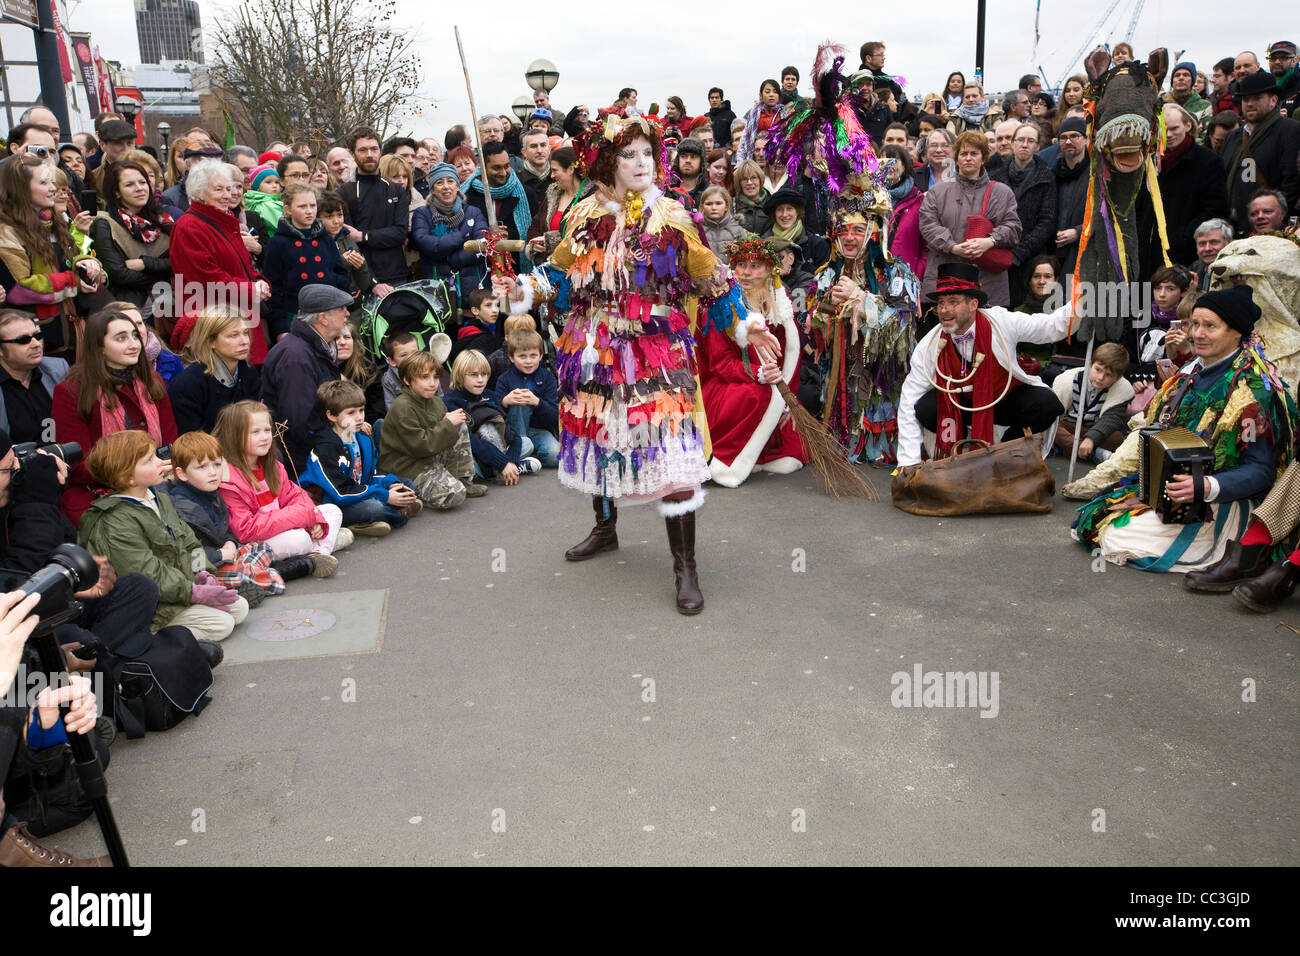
x=826, y=456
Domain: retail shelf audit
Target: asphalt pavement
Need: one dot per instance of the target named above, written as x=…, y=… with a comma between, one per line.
x=520, y=709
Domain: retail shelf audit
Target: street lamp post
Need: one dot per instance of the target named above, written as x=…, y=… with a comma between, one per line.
x=522, y=106
x=164, y=133
x=542, y=75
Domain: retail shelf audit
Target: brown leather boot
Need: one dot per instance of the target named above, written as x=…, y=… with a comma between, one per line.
x=603, y=537
x=1238, y=564
x=681, y=541
x=1270, y=589
x=19, y=848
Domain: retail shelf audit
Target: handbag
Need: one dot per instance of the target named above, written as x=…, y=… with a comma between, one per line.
x=1007, y=478
x=981, y=227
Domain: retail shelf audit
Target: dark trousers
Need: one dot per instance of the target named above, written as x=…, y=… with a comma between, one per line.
x=1026, y=406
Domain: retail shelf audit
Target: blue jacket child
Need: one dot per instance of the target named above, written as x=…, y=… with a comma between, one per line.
x=346, y=476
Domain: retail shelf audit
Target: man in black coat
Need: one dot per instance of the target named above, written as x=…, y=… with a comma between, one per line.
x=1071, y=172
x=1035, y=189
x=1264, y=157
x=720, y=117
x=377, y=213
x=300, y=363
x=1192, y=188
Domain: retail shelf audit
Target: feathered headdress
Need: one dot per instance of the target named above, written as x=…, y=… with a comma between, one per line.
x=614, y=128
x=826, y=133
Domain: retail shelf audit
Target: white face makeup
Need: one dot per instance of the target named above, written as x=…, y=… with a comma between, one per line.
x=635, y=169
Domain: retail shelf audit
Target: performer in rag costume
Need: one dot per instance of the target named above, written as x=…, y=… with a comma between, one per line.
x=863, y=302
x=964, y=372
x=749, y=422
x=1232, y=397
x=638, y=284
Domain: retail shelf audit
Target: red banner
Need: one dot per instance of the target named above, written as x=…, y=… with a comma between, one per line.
x=107, y=98
x=64, y=64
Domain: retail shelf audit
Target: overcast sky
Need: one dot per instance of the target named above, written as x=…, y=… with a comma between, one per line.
x=707, y=44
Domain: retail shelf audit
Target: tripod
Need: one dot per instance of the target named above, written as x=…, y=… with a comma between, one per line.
x=89, y=771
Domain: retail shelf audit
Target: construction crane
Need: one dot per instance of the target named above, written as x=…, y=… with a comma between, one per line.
x=1133, y=21
x=1090, y=42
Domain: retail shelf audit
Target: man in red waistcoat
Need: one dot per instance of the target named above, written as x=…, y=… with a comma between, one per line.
x=964, y=372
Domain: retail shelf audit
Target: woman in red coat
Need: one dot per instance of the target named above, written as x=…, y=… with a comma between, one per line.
x=210, y=258
x=109, y=390
x=749, y=424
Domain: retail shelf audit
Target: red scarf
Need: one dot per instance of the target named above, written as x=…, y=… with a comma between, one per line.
x=1172, y=156
x=986, y=387
x=142, y=229
x=114, y=419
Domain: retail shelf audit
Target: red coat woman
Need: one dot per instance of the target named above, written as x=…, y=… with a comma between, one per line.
x=748, y=421
x=207, y=248
x=121, y=392
x=905, y=239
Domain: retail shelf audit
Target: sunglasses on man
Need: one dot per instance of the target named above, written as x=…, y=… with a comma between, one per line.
x=24, y=339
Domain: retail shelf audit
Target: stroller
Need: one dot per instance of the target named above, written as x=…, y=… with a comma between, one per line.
x=422, y=308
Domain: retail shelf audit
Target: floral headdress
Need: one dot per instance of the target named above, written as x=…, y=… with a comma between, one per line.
x=613, y=128
x=752, y=249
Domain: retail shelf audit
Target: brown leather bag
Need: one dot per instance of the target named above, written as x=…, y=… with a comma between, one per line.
x=1007, y=478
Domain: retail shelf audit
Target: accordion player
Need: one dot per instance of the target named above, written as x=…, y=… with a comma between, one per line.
x=1166, y=454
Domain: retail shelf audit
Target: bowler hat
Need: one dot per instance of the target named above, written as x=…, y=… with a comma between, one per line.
x=1261, y=81
x=783, y=196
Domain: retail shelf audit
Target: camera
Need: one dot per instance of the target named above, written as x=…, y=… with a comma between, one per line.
x=70, y=452
x=71, y=569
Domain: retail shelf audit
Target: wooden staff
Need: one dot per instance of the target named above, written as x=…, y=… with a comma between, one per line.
x=487, y=192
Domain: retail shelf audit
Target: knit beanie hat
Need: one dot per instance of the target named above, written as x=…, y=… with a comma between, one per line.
x=260, y=174
x=1235, y=305
x=1073, y=124
x=269, y=158
x=1184, y=65
x=443, y=171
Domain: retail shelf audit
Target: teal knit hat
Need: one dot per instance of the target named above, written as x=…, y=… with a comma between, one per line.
x=443, y=171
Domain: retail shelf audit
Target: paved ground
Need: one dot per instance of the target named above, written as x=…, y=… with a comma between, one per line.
x=517, y=698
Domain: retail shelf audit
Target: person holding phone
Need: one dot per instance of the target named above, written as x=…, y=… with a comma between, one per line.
x=44, y=269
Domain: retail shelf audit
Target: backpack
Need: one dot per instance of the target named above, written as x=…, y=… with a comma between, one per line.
x=422, y=308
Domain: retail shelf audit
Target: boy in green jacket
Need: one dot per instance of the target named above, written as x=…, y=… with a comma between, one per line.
x=423, y=439
x=138, y=530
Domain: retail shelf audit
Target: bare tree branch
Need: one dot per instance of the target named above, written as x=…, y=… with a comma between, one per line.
x=292, y=69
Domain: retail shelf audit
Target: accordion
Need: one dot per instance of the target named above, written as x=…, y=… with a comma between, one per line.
x=1166, y=454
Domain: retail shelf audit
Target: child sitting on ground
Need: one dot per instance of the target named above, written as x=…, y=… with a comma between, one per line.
x=529, y=394
x=342, y=466
x=498, y=449
x=423, y=439
x=478, y=325
x=197, y=470
x=330, y=211
x=299, y=253
x=264, y=504
x=397, y=348
x=499, y=361
x=1105, y=417
x=139, y=531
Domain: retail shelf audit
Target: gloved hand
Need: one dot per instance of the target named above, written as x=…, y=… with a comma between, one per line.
x=206, y=577
x=213, y=595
